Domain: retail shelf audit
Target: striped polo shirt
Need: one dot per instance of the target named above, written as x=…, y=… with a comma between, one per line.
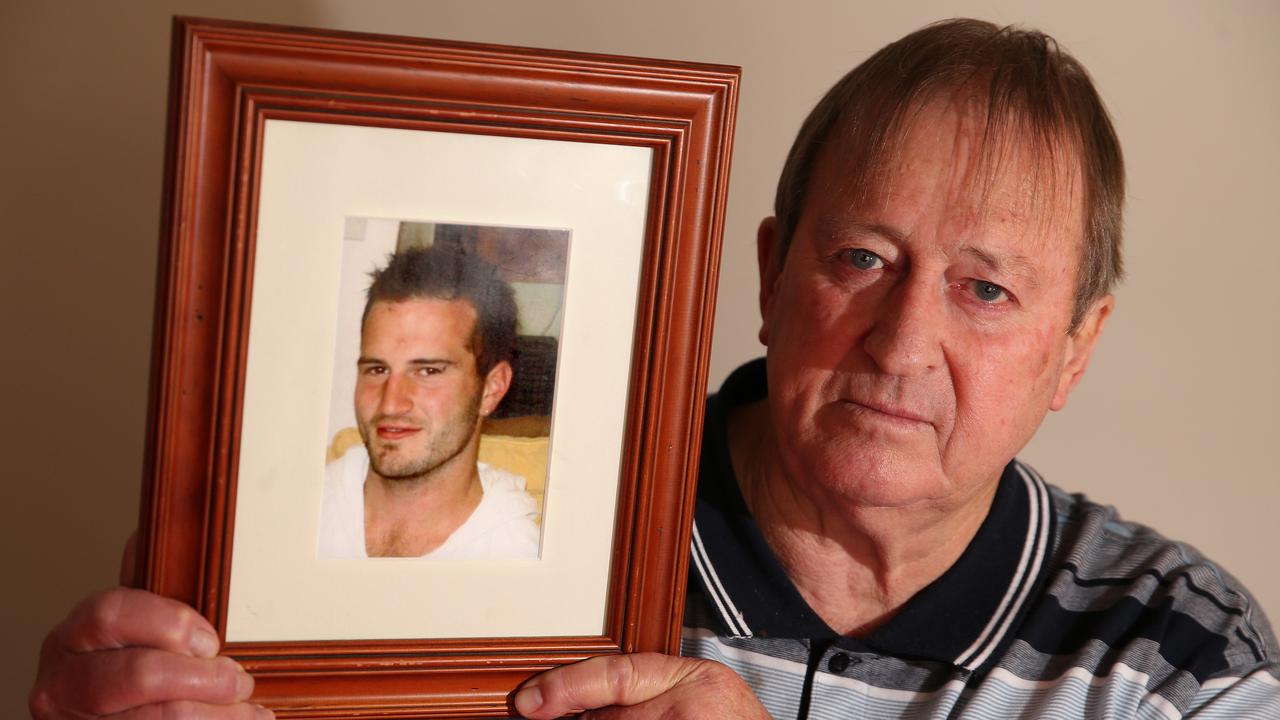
x=1056, y=609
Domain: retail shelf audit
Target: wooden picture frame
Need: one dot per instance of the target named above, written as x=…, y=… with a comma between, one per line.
x=230, y=81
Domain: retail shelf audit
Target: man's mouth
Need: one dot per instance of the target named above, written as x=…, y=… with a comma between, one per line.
x=890, y=412
x=395, y=432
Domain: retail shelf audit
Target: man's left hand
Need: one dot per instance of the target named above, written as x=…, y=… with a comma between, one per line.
x=637, y=687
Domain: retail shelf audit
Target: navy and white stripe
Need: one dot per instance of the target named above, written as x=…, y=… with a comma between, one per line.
x=715, y=589
x=1034, y=547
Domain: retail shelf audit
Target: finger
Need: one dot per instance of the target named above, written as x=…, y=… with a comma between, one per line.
x=129, y=561
x=123, y=617
x=196, y=711
x=115, y=681
x=600, y=682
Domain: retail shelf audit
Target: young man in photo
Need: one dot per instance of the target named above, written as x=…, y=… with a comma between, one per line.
x=436, y=343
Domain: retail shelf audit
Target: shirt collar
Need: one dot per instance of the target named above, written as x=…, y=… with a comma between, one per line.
x=961, y=618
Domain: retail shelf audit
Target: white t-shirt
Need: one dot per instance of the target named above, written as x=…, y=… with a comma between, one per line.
x=504, y=524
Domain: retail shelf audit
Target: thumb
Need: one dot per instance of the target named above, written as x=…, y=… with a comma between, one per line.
x=601, y=682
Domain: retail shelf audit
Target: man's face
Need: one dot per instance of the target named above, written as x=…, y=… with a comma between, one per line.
x=419, y=398
x=917, y=339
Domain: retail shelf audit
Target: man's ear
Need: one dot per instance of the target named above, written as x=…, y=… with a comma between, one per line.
x=496, y=383
x=1079, y=347
x=770, y=266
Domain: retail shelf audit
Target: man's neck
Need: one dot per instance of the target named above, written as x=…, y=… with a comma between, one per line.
x=411, y=517
x=854, y=565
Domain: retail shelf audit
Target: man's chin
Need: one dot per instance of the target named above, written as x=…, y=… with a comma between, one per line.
x=397, y=474
x=874, y=474
x=392, y=468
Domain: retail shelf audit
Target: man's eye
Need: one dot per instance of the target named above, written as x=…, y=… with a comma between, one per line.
x=373, y=370
x=989, y=292
x=863, y=259
x=428, y=370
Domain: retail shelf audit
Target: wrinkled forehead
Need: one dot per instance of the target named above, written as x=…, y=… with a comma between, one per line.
x=947, y=149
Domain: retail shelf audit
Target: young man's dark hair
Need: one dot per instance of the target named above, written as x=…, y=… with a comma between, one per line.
x=453, y=272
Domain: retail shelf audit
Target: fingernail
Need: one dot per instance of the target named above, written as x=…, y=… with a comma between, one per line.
x=204, y=644
x=244, y=684
x=261, y=713
x=528, y=699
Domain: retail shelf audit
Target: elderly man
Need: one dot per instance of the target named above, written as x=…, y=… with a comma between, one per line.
x=937, y=274
x=437, y=335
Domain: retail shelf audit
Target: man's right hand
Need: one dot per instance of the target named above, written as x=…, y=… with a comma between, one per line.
x=133, y=655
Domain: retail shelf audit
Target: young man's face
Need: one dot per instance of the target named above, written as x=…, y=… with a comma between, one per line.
x=419, y=398
x=917, y=339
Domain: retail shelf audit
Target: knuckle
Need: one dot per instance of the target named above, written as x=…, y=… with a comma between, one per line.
x=41, y=703
x=141, y=668
x=149, y=672
x=712, y=669
x=717, y=674
x=101, y=610
x=622, y=674
x=177, y=633
x=225, y=673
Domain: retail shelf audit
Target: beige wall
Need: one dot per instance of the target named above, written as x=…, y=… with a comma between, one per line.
x=1174, y=423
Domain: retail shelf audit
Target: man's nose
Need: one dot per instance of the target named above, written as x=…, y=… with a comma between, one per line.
x=906, y=339
x=395, y=398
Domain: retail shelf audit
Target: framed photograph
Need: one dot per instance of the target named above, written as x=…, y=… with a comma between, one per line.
x=432, y=328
